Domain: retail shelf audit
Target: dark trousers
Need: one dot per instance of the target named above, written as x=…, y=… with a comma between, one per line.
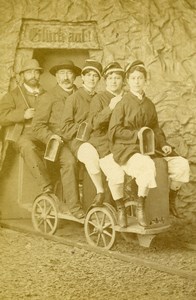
x=69, y=178
x=32, y=152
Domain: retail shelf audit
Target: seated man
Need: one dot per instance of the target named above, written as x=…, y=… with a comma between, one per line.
x=46, y=125
x=132, y=113
x=17, y=108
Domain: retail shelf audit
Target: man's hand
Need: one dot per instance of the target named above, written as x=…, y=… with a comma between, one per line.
x=167, y=149
x=114, y=101
x=29, y=113
x=57, y=137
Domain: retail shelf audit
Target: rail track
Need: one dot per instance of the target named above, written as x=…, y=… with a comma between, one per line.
x=122, y=256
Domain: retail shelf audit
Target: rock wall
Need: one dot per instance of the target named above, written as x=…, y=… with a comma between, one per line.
x=159, y=32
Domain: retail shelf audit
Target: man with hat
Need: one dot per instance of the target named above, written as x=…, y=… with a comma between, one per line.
x=17, y=109
x=134, y=112
x=46, y=125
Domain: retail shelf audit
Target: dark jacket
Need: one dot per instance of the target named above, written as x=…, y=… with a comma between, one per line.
x=99, y=116
x=128, y=117
x=76, y=111
x=46, y=121
x=12, y=109
x=12, y=106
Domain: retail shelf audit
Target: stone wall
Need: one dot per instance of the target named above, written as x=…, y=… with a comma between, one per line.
x=159, y=32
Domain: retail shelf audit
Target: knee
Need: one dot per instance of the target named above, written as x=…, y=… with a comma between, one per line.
x=148, y=165
x=116, y=178
x=175, y=185
x=87, y=152
x=26, y=147
x=88, y=155
x=67, y=159
x=69, y=162
x=183, y=164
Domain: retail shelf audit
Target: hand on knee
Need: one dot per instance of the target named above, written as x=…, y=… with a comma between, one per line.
x=175, y=185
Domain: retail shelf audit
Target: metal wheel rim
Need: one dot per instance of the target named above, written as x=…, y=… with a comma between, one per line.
x=44, y=215
x=99, y=228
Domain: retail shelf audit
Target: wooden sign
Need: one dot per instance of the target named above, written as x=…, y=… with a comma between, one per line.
x=55, y=34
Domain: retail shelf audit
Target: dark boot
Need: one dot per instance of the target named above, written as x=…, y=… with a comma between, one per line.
x=172, y=203
x=121, y=213
x=98, y=200
x=48, y=189
x=131, y=188
x=140, y=212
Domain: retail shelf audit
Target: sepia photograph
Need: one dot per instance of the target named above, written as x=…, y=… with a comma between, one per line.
x=98, y=149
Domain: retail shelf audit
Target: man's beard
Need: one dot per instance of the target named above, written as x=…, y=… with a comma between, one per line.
x=32, y=82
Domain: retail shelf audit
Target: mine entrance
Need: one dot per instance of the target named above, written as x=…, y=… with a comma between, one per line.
x=50, y=57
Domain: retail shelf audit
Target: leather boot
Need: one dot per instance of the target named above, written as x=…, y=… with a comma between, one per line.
x=131, y=188
x=172, y=203
x=121, y=214
x=140, y=212
x=98, y=200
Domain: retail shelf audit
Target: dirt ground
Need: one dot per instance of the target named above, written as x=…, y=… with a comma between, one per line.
x=35, y=268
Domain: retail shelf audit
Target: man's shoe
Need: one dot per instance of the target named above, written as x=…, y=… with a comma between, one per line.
x=48, y=190
x=98, y=200
x=79, y=214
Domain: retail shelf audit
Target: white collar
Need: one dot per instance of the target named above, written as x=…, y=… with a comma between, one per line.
x=139, y=96
x=88, y=90
x=121, y=93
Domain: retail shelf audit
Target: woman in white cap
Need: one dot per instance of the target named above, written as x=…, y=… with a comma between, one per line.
x=76, y=109
x=133, y=112
x=101, y=109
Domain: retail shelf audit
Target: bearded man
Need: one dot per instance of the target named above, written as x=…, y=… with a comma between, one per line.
x=17, y=109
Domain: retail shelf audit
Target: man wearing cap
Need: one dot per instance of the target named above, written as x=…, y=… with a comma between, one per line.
x=17, y=109
x=76, y=111
x=134, y=112
x=46, y=125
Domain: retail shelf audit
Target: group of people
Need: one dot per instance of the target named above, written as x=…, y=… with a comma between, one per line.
x=114, y=120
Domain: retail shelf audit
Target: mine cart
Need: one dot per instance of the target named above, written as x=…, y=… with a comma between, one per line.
x=100, y=223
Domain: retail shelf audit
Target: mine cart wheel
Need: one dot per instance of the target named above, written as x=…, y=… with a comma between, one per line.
x=99, y=228
x=44, y=214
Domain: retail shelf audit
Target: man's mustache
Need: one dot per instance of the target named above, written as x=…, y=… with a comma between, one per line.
x=66, y=81
x=33, y=79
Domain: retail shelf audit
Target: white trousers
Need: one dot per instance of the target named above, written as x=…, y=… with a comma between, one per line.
x=88, y=155
x=142, y=168
x=114, y=175
x=178, y=170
